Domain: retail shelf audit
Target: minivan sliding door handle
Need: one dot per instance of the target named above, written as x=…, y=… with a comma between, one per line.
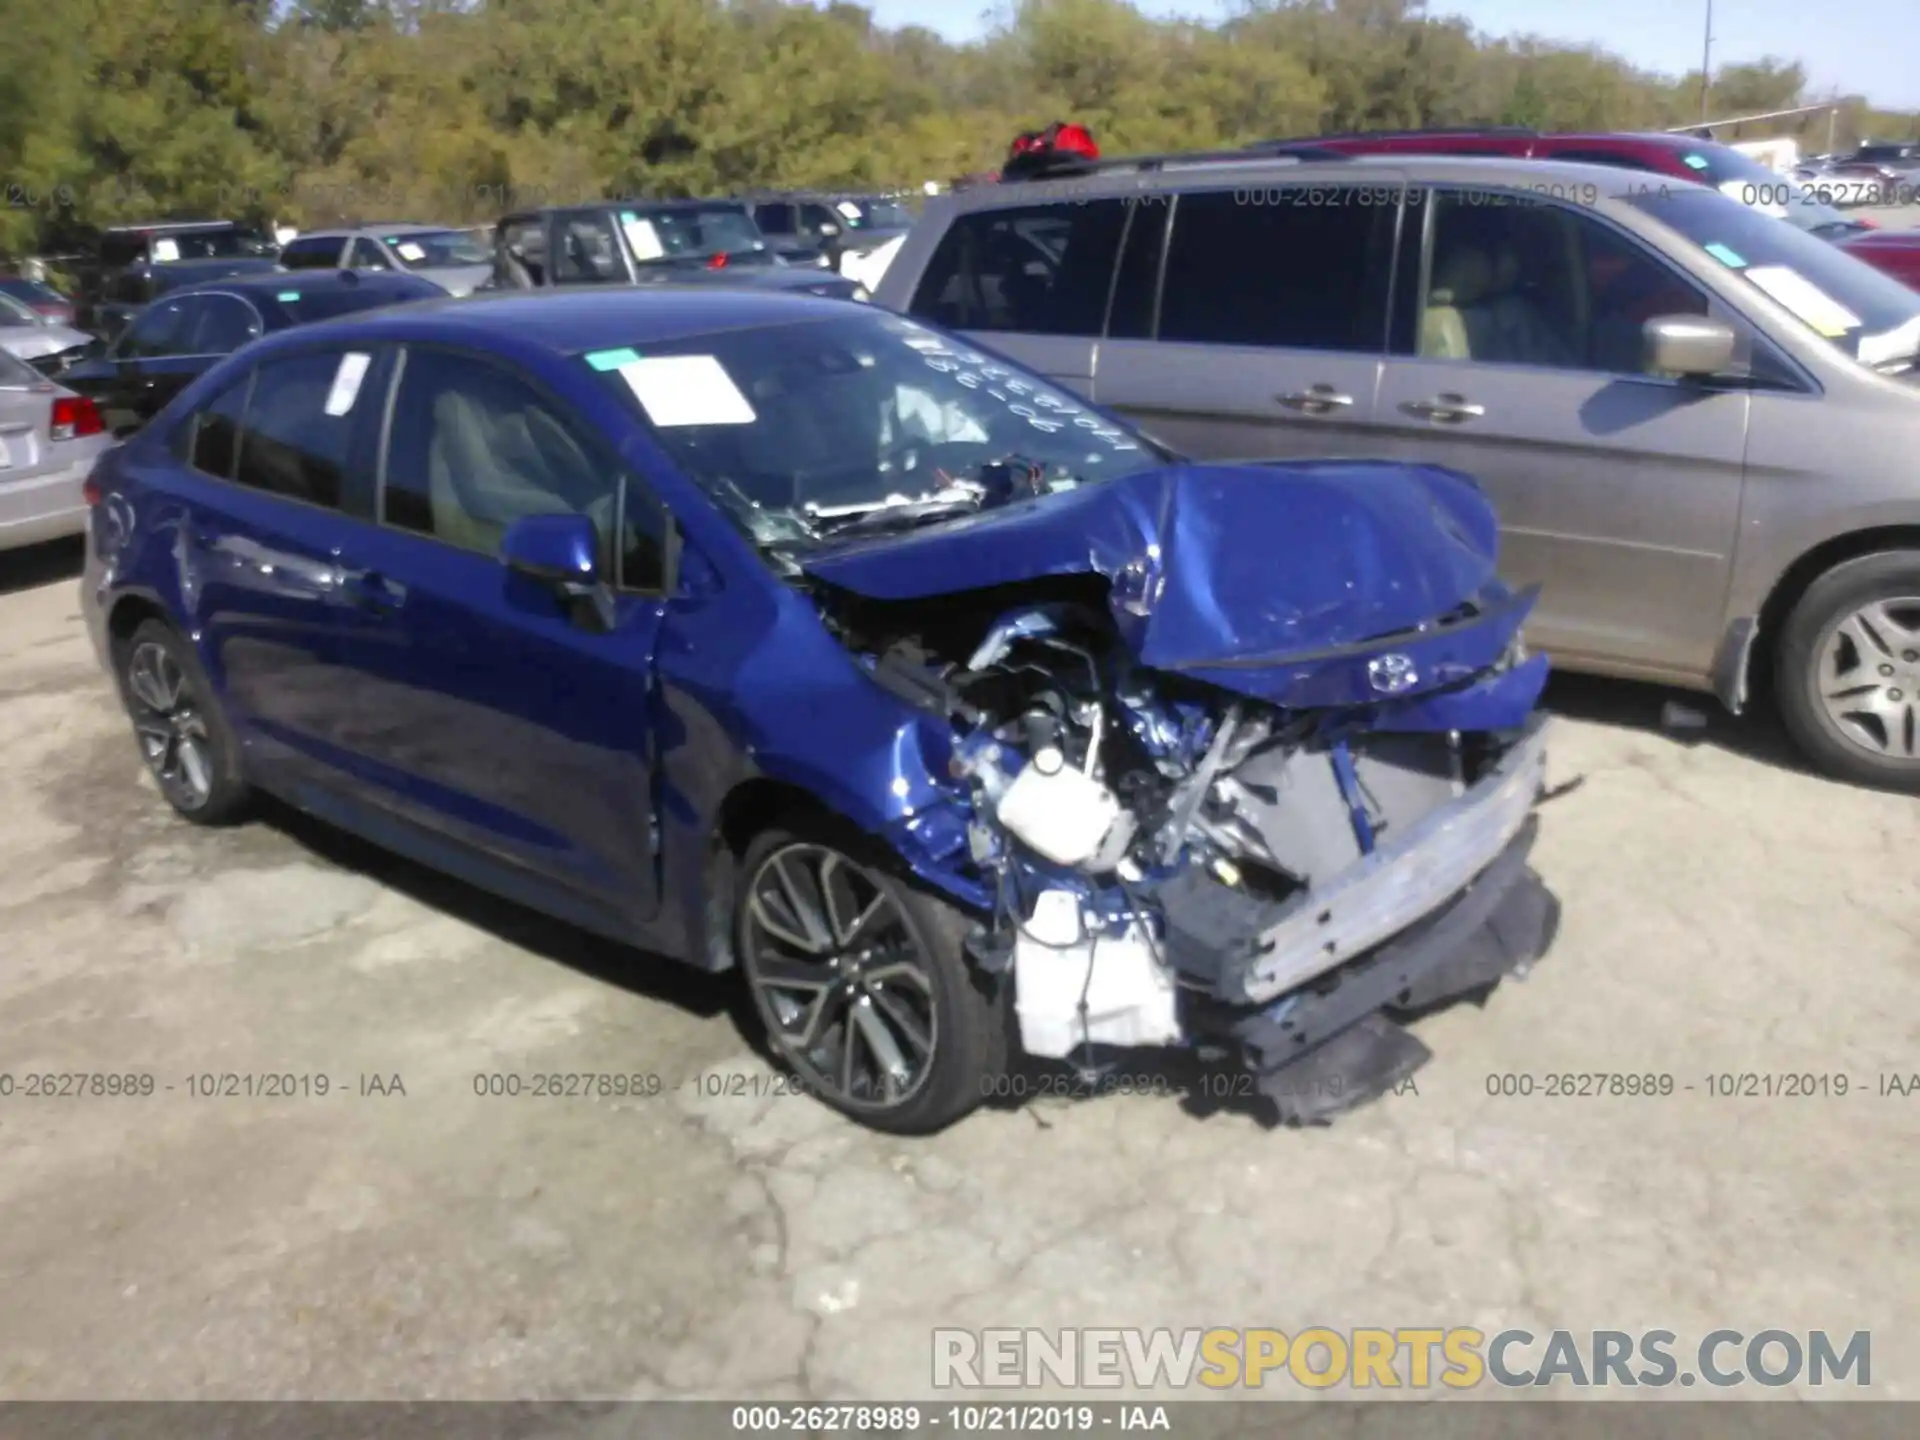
x=1318, y=400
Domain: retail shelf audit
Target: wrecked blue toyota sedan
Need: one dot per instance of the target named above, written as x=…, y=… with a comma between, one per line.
x=792, y=636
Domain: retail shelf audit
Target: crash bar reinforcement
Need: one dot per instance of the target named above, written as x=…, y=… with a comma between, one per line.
x=1257, y=951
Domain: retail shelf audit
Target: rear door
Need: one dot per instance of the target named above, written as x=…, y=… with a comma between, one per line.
x=1031, y=281
x=278, y=482
x=1617, y=490
x=1270, y=326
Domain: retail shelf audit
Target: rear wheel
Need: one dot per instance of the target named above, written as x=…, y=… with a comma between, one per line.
x=862, y=982
x=182, y=733
x=1848, y=671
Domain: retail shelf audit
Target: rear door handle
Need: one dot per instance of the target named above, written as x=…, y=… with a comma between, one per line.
x=1449, y=408
x=1316, y=400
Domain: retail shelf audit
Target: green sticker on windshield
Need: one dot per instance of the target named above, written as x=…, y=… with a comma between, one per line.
x=628, y=216
x=287, y=297
x=1727, y=256
x=1695, y=162
x=612, y=359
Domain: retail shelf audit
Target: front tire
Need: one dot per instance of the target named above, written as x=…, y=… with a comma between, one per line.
x=862, y=982
x=1847, y=672
x=183, y=734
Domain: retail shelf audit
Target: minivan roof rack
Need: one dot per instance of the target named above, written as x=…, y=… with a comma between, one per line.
x=1394, y=134
x=1067, y=165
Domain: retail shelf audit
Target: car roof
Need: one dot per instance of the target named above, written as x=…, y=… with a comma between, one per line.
x=599, y=317
x=271, y=283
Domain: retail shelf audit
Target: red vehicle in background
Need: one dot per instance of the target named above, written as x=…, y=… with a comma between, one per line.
x=1684, y=157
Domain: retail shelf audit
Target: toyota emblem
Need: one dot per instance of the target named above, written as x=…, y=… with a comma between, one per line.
x=1392, y=674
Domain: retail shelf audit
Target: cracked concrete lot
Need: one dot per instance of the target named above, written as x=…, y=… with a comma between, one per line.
x=1724, y=913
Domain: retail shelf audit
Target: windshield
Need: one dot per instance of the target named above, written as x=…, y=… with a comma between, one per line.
x=223, y=244
x=1866, y=314
x=690, y=232
x=796, y=429
x=1743, y=178
x=429, y=249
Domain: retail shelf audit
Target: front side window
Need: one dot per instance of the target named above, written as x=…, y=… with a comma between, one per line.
x=1294, y=267
x=474, y=448
x=223, y=324
x=1034, y=269
x=297, y=435
x=793, y=428
x=312, y=252
x=1512, y=280
x=160, y=330
x=588, y=252
x=366, y=255
x=775, y=219
x=1861, y=311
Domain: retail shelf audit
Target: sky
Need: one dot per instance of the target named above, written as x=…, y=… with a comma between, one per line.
x=1867, y=47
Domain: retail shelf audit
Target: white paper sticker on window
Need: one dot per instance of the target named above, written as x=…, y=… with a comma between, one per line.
x=850, y=210
x=643, y=238
x=411, y=252
x=678, y=390
x=166, y=250
x=1805, y=299
x=346, y=382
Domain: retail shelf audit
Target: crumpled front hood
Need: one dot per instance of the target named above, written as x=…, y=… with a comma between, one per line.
x=1262, y=578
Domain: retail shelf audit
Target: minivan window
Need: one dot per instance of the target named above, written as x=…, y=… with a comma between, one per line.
x=1292, y=267
x=1035, y=269
x=1515, y=281
x=291, y=443
x=1862, y=312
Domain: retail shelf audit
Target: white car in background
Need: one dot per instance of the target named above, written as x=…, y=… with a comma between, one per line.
x=29, y=335
x=49, y=440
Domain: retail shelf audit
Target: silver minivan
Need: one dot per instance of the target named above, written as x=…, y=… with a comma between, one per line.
x=1700, y=426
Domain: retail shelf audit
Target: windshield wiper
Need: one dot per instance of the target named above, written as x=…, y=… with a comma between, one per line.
x=898, y=517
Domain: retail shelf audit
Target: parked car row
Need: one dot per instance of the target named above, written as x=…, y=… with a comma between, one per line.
x=1110, y=638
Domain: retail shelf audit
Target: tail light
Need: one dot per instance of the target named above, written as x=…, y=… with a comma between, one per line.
x=90, y=490
x=717, y=262
x=75, y=416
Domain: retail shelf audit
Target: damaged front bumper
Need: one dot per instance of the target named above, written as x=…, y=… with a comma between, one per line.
x=1245, y=951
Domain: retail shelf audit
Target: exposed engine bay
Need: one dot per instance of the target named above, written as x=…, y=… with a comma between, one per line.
x=1173, y=862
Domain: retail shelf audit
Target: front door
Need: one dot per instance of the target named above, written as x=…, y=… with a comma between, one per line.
x=1617, y=490
x=500, y=713
x=1272, y=324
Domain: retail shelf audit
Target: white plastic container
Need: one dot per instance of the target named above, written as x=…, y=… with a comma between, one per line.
x=1130, y=996
x=1058, y=811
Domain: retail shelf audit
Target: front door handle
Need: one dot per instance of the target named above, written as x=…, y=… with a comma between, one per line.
x=1316, y=400
x=1449, y=408
x=367, y=590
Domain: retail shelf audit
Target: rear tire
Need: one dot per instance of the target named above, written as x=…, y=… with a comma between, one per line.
x=862, y=982
x=183, y=734
x=1847, y=671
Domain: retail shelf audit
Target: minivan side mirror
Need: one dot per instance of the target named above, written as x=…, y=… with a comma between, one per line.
x=1687, y=345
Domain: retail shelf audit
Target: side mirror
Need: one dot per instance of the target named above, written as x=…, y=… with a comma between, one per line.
x=1687, y=345
x=827, y=230
x=558, y=550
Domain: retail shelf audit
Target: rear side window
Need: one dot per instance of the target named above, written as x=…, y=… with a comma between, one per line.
x=215, y=434
x=1037, y=269
x=222, y=325
x=1291, y=267
x=291, y=444
x=313, y=252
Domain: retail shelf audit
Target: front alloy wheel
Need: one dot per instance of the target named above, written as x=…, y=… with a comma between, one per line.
x=863, y=986
x=1870, y=677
